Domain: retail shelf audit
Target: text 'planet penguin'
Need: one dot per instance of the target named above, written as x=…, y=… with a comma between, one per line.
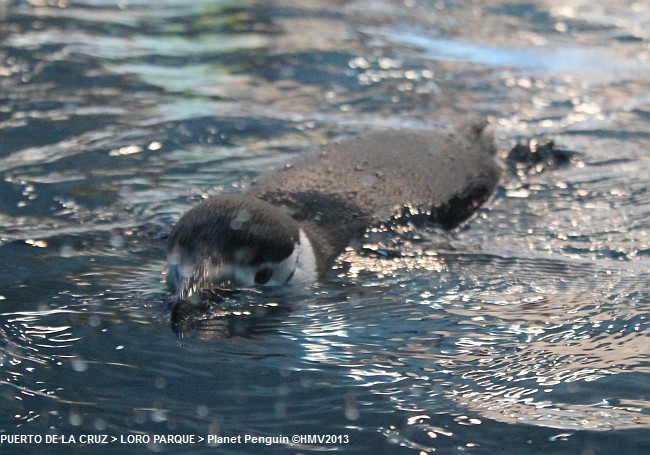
x=292, y=224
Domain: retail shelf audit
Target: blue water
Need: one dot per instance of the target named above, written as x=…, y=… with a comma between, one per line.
x=525, y=331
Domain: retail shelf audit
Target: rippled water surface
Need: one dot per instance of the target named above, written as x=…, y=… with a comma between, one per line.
x=526, y=331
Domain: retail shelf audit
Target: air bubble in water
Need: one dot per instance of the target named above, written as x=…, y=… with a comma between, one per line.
x=78, y=364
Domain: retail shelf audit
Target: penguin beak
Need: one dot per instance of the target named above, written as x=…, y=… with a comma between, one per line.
x=190, y=315
x=214, y=313
x=198, y=305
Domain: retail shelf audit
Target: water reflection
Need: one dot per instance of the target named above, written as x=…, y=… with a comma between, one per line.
x=513, y=334
x=30, y=347
x=493, y=347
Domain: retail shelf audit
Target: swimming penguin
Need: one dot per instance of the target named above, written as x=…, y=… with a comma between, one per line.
x=292, y=224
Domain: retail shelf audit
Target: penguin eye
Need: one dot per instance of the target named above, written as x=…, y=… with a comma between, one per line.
x=263, y=275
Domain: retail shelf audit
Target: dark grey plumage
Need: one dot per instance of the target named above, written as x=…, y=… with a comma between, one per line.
x=334, y=195
x=220, y=226
x=348, y=186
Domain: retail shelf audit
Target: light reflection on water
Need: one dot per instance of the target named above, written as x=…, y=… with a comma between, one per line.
x=502, y=358
x=560, y=60
x=516, y=333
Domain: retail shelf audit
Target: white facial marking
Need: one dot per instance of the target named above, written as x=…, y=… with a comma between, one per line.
x=305, y=270
x=298, y=268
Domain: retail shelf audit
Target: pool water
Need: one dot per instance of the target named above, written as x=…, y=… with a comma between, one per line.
x=524, y=331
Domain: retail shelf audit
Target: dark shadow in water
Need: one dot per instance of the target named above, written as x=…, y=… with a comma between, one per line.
x=224, y=313
x=538, y=155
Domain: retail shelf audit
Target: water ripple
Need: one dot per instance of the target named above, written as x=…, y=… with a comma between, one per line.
x=515, y=333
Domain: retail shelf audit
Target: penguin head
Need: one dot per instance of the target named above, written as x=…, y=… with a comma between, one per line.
x=236, y=241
